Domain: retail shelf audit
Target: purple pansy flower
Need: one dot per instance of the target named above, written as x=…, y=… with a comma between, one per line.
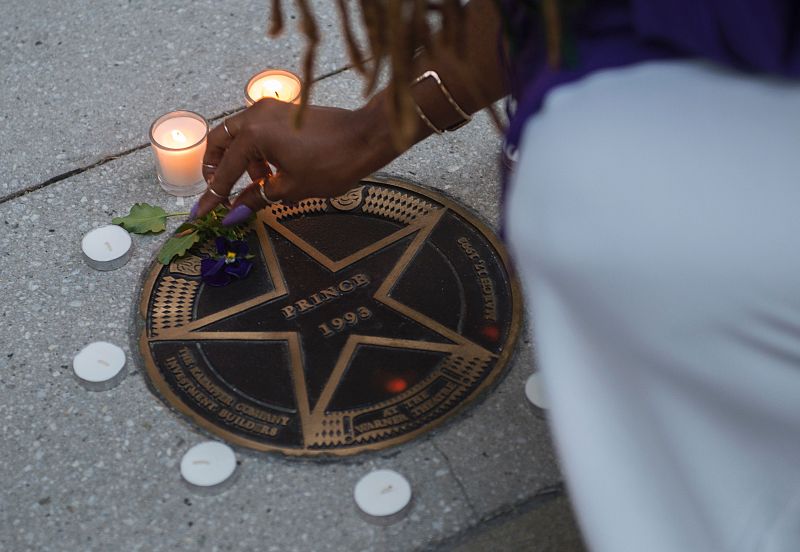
x=231, y=263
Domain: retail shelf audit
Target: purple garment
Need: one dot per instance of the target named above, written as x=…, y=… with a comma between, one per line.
x=749, y=35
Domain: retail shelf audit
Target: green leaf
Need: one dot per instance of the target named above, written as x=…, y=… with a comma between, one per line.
x=176, y=247
x=143, y=218
x=185, y=226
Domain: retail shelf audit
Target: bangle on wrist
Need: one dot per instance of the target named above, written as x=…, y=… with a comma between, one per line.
x=462, y=116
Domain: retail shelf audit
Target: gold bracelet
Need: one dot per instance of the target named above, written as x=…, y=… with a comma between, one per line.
x=465, y=117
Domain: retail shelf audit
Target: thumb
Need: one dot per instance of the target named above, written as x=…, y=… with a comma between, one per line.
x=257, y=195
x=281, y=186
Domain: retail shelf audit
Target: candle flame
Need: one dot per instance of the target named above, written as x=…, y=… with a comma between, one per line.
x=271, y=87
x=178, y=136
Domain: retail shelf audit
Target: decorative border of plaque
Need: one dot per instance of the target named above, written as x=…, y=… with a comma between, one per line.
x=430, y=297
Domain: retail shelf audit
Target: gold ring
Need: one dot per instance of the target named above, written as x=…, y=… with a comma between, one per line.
x=212, y=192
x=225, y=128
x=263, y=194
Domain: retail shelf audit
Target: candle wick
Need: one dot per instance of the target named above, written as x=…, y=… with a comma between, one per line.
x=103, y=362
x=200, y=462
x=108, y=245
x=386, y=489
x=277, y=95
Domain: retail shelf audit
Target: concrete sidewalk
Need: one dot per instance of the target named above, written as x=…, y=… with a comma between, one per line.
x=97, y=471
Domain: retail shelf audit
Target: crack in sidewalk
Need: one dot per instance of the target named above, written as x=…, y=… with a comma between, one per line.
x=461, y=486
x=114, y=156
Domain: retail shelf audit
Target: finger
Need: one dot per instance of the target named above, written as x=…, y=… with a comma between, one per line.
x=207, y=202
x=239, y=156
x=257, y=170
x=247, y=202
x=255, y=198
x=252, y=199
x=280, y=187
x=218, y=142
x=209, y=169
x=238, y=215
x=283, y=187
x=232, y=166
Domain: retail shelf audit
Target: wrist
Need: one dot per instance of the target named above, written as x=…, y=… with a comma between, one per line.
x=375, y=134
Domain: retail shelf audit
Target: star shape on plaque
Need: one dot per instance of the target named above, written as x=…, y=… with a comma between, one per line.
x=368, y=319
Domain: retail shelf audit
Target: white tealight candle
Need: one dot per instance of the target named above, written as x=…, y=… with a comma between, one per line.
x=383, y=496
x=99, y=366
x=208, y=466
x=273, y=83
x=178, y=140
x=535, y=392
x=107, y=248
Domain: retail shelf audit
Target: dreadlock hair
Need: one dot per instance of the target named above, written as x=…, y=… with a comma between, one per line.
x=395, y=30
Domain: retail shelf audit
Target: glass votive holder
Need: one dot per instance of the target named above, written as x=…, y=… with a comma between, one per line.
x=273, y=83
x=178, y=140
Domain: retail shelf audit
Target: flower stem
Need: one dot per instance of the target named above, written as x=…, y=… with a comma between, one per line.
x=177, y=214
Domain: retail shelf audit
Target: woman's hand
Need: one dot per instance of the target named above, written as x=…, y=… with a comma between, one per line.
x=335, y=148
x=332, y=150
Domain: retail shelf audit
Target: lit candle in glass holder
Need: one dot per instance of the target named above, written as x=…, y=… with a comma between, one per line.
x=178, y=140
x=273, y=83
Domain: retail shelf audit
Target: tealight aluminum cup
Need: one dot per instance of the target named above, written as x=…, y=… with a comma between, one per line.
x=106, y=384
x=215, y=488
x=535, y=395
x=109, y=264
x=388, y=518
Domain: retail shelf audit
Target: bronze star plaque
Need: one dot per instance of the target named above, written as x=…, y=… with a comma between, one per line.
x=366, y=320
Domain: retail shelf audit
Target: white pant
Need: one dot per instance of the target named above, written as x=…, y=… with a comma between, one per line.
x=655, y=221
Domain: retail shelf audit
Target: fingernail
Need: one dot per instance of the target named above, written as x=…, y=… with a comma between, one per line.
x=238, y=215
x=193, y=212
